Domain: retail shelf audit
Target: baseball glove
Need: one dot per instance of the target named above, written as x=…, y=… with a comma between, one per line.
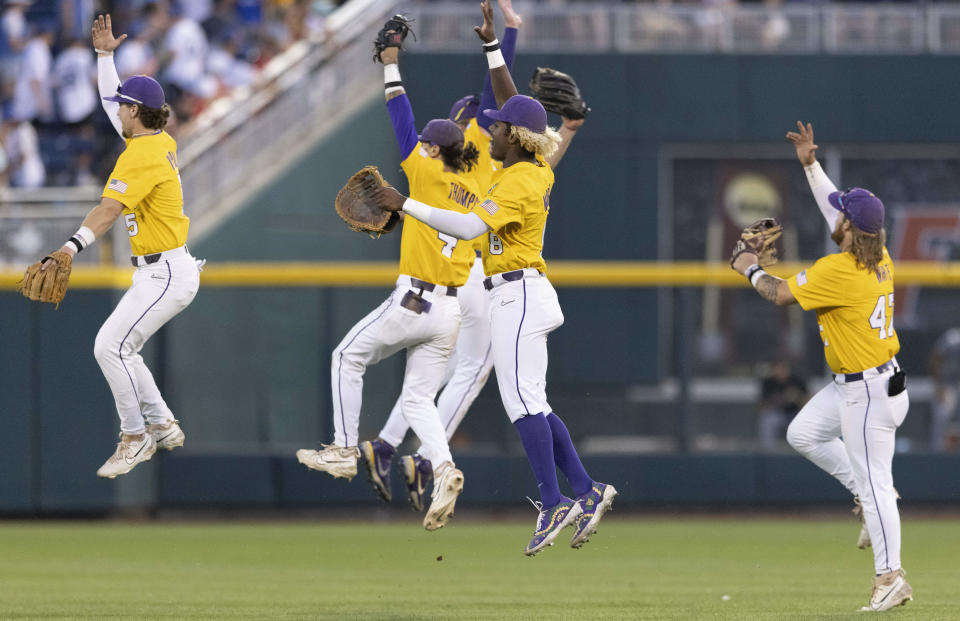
x=49, y=285
x=392, y=34
x=356, y=205
x=558, y=92
x=759, y=239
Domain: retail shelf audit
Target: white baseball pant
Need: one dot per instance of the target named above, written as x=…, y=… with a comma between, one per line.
x=866, y=419
x=429, y=339
x=159, y=291
x=468, y=368
x=522, y=314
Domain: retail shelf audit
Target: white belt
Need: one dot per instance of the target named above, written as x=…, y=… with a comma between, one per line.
x=149, y=259
x=415, y=283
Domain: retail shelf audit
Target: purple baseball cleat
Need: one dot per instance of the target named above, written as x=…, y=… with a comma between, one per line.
x=378, y=455
x=550, y=522
x=418, y=473
x=594, y=503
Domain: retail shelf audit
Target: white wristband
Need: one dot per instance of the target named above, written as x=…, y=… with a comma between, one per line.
x=391, y=78
x=418, y=210
x=495, y=59
x=103, y=52
x=85, y=235
x=755, y=276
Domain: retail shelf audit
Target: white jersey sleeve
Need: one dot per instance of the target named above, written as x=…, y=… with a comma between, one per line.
x=822, y=187
x=107, y=82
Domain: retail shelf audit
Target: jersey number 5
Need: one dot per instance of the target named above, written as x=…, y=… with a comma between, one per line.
x=130, y=219
x=878, y=318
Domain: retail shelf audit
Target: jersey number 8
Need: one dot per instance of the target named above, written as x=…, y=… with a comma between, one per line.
x=878, y=318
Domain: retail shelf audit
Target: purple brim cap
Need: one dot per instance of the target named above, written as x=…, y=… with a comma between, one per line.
x=442, y=132
x=139, y=89
x=464, y=109
x=861, y=207
x=522, y=111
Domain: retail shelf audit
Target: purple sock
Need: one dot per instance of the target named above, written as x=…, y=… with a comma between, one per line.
x=566, y=457
x=537, y=442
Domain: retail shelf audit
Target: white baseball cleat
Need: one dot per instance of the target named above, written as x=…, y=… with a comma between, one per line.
x=129, y=453
x=339, y=461
x=446, y=487
x=167, y=435
x=889, y=590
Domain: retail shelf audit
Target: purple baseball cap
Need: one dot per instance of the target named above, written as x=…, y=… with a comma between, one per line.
x=139, y=89
x=861, y=207
x=523, y=111
x=442, y=132
x=464, y=109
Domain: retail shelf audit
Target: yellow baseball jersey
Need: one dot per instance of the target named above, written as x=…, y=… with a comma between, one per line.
x=147, y=181
x=426, y=253
x=483, y=171
x=854, y=309
x=516, y=208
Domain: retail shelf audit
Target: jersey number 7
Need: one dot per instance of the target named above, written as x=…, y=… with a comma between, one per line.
x=878, y=318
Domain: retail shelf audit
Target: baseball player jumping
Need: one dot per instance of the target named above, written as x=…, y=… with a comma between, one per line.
x=472, y=360
x=848, y=428
x=523, y=304
x=422, y=314
x=144, y=188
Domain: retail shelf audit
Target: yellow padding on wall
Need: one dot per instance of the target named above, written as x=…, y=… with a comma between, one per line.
x=562, y=274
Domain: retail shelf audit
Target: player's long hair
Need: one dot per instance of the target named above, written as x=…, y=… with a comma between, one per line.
x=153, y=118
x=867, y=248
x=543, y=144
x=460, y=157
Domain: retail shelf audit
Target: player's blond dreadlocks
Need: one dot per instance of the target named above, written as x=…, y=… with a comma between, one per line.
x=867, y=248
x=542, y=144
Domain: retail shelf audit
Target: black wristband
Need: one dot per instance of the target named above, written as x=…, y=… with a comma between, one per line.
x=393, y=84
x=752, y=270
x=491, y=47
x=76, y=243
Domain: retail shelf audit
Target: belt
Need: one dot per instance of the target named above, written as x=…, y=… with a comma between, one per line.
x=150, y=259
x=856, y=377
x=479, y=253
x=416, y=283
x=498, y=279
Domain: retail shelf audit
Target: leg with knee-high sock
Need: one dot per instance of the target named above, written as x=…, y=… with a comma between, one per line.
x=537, y=441
x=567, y=458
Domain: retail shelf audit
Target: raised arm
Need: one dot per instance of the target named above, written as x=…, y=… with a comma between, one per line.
x=820, y=183
x=104, y=44
x=508, y=46
x=567, y=131
x=500, y=78
x=398, y=104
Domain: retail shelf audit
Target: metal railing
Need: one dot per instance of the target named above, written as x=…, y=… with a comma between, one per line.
x=867, y=28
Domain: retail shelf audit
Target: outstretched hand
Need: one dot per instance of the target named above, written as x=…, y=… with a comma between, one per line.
x=103, y=38
x=510, y=17
x=485, y=32
x=803, y=141
x=388, y=198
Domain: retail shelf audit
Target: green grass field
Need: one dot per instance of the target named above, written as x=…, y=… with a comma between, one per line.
x=634, y=568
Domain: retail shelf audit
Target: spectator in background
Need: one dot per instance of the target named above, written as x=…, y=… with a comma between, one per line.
x=74, y=76
x=185, y=50
x=75, y=18
x=222, y=21
x=782, y=394
x=32, y=96
x=14, y=25
x=224, y=62
x=25, y=168
x=944, y=368
x=135, y=56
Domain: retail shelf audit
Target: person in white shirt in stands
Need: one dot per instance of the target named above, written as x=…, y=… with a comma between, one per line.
x=32, y=98
x=74, y=75
x=186, y=46
x=135, y=56
x=26, y=169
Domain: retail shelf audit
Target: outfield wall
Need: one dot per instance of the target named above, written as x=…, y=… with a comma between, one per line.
x=247, y=368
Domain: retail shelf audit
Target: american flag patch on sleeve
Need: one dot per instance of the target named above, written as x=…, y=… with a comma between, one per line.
x=117, y=186
x=490, y=207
